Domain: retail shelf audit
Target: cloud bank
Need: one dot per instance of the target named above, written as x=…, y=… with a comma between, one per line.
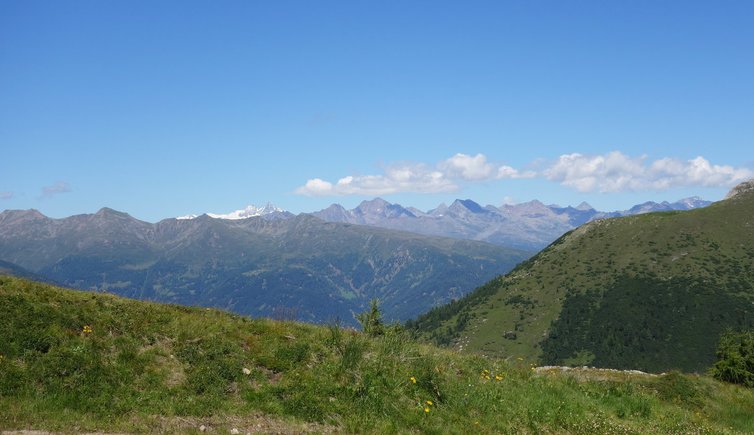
x=617, y=172
x=445, y=176
x=611, y=172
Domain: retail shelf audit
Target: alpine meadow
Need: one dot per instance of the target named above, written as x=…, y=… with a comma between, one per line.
x=393, y=217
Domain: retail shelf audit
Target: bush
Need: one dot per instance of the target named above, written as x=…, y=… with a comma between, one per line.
x=371, y=320
x=735, y=358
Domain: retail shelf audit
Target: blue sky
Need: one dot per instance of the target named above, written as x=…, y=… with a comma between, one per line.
x=165, y=108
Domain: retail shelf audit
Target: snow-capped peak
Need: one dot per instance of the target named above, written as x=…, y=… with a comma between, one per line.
x=693, y=202
x=249, y=211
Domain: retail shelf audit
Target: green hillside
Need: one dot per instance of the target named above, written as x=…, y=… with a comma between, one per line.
x=75, y=361
x=650, y=292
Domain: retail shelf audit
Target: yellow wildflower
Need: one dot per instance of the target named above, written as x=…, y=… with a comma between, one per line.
x=426, y=409
x=429, y=402
x=412, y=379
x=498, y=378
x=87, y=329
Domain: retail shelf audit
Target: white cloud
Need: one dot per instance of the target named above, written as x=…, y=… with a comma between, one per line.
x=476, y=168
x=316, y=187
x=617, y=172
x=55, y=189
x=445, y=176
x=504, y=172
x=467, y=167
x=6, y=195
x=611, y=172
x=414, y=178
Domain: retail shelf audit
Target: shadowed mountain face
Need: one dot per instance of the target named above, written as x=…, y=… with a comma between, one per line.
x=7, y=268
x=529, y=226
x=650, y=292
x=298, y=267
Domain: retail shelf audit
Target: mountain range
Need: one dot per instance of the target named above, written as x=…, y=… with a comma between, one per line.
x=650, y=291
x=528, y=226
x=293, y=267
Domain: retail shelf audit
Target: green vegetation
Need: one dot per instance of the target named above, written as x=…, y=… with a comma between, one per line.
x=78, y=361
x=735, y=358
x=371, y=320
x=651, y=292
x=672, y=323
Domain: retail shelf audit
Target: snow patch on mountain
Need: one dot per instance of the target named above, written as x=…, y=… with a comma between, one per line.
x=245, y=213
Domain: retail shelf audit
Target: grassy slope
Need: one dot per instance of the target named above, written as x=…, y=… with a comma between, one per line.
x=693, y=270
x=151, y=367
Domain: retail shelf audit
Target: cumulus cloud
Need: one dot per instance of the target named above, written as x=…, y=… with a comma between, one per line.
x=617, y=172
x=416, y=178
x=55, y=189
x=611, y=172
x=504, y=172
x=6, y=195
x=445, y=176
x=467, y=167
x=477, y=168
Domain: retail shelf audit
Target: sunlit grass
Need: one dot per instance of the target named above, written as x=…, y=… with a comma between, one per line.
x=150, y=367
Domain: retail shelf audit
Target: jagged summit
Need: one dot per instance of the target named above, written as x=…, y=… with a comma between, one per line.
x=462, y=205
x=377, y=205
x=106, y=212
x=741, y=189
x=31, y=213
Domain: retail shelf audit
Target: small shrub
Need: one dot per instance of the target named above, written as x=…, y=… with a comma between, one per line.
x=735, y=358
x=371, y=320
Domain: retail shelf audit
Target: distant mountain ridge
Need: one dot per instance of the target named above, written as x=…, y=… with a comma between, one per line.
x=310, y=269
x=530, y=225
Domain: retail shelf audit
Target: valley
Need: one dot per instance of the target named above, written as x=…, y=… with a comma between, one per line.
x=296, y=268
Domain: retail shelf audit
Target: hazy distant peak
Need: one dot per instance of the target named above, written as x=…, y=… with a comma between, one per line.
x=22, y=215
x=439, y=211
x=466, y=205
x=534, y=202
x=692, y=202
x=416, y=211
x=584, y=206
x=374, y=205
x=336, y=207
x=109, y=212
x=32, y=212
x=376, y=202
